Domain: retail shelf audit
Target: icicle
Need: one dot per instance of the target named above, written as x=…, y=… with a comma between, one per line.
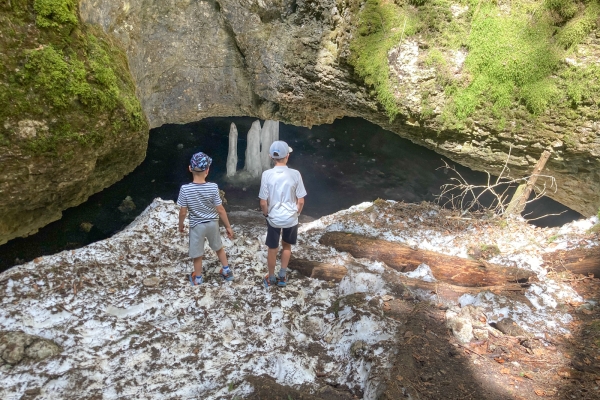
x=253, y=164
x=232, y=157
x=268, y=134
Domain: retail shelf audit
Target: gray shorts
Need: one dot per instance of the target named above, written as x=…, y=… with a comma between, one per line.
x=208, y=230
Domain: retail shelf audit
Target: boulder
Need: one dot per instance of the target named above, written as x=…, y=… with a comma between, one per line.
x=16, y=346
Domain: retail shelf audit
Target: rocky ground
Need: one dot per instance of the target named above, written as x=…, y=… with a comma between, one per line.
x=118, y=318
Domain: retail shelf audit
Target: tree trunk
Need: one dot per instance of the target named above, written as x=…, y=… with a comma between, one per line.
x=519, y=199
x=578, y=261
x=318, y=270
x=398, y=283
x=449, y=269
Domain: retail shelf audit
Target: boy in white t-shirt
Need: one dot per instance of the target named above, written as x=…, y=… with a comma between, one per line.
x=281, y=201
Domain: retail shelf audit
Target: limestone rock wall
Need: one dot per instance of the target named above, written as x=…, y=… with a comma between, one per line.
x=70, y=121
x=287, y=60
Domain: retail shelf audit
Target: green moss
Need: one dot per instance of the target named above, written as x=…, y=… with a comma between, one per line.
x=513, y=53
x=60, y=78
x=509, y=57
x=381, y=26
x=75, y=81
x=579, y=27
x=581, y=84
x=55, y=13
x=565, y=8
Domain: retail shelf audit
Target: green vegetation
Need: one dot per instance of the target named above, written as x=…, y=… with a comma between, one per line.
x=553, y=238
x=580, y=26
x=59, y=79
x=55, y=13
x=380, y=27
x=582, y=84
x=514, y=53
x=507, y=53
x=64, y=75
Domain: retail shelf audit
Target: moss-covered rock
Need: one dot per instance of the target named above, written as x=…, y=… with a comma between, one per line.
x=70, y=124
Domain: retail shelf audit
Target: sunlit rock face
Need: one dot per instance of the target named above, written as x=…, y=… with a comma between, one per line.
x=288, y=61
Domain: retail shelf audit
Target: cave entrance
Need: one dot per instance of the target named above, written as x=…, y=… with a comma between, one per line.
x=342, y=164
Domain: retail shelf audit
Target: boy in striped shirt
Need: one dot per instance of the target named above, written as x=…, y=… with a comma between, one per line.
x=201, y=199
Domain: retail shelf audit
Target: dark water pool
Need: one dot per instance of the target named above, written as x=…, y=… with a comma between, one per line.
x=342, y=164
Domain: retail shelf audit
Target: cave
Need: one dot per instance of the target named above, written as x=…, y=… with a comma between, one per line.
x=344, y=163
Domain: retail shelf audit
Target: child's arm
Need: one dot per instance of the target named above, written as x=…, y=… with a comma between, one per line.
x=182, y=215
x=300, y=204
x=223, y=214
x=264, y=207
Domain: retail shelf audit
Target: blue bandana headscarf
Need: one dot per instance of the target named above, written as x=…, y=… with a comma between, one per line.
x=200, y=162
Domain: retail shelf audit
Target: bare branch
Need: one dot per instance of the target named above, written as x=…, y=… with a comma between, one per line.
x=492, y=196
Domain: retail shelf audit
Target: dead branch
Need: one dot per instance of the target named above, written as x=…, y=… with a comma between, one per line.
x=461, y=195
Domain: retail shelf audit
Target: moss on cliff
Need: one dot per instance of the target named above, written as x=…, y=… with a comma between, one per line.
x=381, y=25
x=67, y=77
x=514, y=53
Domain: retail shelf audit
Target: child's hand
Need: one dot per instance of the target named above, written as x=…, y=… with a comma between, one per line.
x=181, y=228
x=229, y=232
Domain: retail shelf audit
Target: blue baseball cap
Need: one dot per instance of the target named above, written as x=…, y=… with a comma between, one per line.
x=279, y=149
x=200, y=162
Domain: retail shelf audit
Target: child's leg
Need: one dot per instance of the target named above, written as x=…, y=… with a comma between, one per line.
x=288, y=238
x=198, y=266
x=271, y=259
x=222, y=257
x=286, y=253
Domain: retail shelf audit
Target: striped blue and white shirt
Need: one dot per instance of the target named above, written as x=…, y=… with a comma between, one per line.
x=200, y=200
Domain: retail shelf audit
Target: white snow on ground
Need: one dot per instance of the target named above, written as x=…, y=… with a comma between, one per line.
x=123, y=339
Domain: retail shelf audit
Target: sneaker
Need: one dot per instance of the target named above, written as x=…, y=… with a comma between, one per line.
x=193, y=281
x=228, y=277
x=269, y=282
x=282, y=280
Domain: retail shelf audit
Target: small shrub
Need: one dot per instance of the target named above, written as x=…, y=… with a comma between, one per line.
x=553, y=238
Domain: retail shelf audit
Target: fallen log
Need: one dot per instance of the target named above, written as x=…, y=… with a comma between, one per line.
x=449, y=269
x=398, y=283
x=578, y=261
x=318, y=270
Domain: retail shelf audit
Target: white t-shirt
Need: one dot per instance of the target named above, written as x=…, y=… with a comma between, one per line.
x=282, y=187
